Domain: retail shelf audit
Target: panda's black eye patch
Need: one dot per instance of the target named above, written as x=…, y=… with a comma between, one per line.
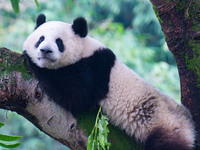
x=39, y=41
x=60, y=45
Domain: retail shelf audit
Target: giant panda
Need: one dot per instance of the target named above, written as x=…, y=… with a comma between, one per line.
x=79, y=73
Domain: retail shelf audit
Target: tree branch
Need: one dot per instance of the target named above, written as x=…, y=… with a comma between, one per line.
x=23, y=95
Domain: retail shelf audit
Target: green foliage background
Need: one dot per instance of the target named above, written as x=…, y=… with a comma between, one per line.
x=128, y=27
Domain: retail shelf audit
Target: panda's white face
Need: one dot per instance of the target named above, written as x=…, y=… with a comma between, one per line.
x=53, y=45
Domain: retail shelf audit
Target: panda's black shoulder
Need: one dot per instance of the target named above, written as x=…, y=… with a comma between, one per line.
x=79, y=86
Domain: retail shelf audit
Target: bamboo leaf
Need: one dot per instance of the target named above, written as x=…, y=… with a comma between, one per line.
x=38, y=7
x=98, y=139
x=1, y=124
x=90, y=140
x=9, y=137
x=9, y=145
x=15, y=5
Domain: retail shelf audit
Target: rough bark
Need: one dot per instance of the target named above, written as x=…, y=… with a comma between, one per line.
x=180, y=22
x=20, y=92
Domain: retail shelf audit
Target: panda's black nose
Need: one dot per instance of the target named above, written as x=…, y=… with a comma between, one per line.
x=46, y=51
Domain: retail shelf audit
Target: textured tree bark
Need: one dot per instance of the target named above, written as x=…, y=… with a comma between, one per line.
x=180, y=22
x=20, y=92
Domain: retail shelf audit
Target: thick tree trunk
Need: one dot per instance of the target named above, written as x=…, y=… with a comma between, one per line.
x=180, y=22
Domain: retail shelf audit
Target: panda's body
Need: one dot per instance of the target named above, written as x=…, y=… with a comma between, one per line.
x=75, y=85
x=78, y=72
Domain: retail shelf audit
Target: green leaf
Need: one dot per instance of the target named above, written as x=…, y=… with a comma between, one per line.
x=1, y=124
x=98, y=138
x=94, y=145
x=90, y=141
x=103, y=132
x=9, y=145
x=15, y=5
x=38, y=7
x=102, y=141
x=9, y=137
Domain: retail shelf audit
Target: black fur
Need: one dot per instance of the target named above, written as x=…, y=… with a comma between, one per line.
x=80, y=27
x=39, y=41
x=40, y=20
x=60, y=44
x=161, y=139
x=80, y=86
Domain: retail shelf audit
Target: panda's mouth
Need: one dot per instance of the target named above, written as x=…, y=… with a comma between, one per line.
x=46, y=59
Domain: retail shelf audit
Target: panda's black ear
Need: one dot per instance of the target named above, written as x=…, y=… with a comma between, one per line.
x=80, y=27
x=40, y=20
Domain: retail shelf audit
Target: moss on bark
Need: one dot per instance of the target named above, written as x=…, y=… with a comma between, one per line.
x=11, y=61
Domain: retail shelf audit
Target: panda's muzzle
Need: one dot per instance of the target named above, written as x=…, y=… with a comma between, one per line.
x=45, y=51
x=45, y=54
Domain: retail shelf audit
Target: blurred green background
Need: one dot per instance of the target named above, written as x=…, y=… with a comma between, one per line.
x=128, y=27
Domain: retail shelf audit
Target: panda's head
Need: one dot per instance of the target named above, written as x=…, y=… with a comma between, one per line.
x=56, y=44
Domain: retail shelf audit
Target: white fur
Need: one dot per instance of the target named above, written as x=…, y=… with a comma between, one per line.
x=90, y=45
x=130, y=96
